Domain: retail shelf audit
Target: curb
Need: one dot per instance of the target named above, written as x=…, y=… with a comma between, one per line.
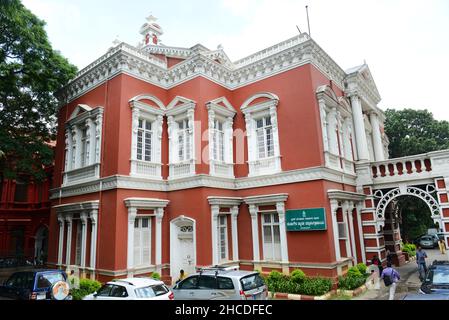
x=353, y=293
x=290, y=296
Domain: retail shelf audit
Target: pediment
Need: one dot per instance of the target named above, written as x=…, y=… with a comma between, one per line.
x=179, y=101
x=81, y=108
x=223, y=103
x=148, y=99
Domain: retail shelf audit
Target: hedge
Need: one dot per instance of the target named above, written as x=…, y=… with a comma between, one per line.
x=87, y=287
x=298, y=283
x=355, y=278
x=409, y=248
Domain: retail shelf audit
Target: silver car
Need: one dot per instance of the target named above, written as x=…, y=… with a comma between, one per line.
x=221, y=284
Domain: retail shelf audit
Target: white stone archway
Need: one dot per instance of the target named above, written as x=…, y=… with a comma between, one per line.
x=424, y=195
x=182, y=246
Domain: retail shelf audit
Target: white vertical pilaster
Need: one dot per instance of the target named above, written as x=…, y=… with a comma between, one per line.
x=91, y=137
x=157, y=147
x=255, y=231
x=359, y=126
x=359, y=224
x=332, y=131
x=83, y=218
x=235, y=234
x=228, y=143
x=345, y=220
x=334, y=208
x=98, y=133
x=69, y=220
x=93, y=238
x=61, y=238
x=377, y=137
x=79, y=146
x=135, y=128
x=132, y=213
x=350, y=208
x=215, y=209
x=69, y=146
x=159, y=217
x=280, y=208
x=323, y=117
x=211, y=123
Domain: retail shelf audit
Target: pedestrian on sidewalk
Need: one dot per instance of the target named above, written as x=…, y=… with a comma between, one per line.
x=391, y=278
x=442, y=245
x=421, y=256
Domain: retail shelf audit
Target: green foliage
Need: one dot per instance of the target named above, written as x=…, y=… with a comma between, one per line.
x=362, y=268
x=410, y=249
x=415, y=131
x=87, y=286
x=351, y=282
x=416, y=217
x=354, y=272
x=298, y=283
x=298, y=276
x=30, y=72
x=156, y=276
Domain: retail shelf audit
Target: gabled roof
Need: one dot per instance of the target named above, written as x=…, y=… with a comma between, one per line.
x=363, y=74
x=80, y=109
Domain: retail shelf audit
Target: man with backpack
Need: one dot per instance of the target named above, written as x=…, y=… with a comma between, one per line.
x=391, y=278
x=421, y=261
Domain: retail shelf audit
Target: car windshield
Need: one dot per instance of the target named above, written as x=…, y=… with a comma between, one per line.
x=251, y=282
x=439, y=276
x=48, y=279
x=151, y=291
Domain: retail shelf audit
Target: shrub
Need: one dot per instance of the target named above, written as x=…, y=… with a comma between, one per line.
x=87, y=286
x=275, y=276
x=410, y=249
x=156, y=276
x=350, y=283
x=298, y=276
x=362, y=268
x=315, y=286
x=354, y=272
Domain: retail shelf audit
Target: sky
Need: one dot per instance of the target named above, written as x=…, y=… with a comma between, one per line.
x=404, y=42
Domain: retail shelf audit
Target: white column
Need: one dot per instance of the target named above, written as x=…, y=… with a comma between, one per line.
x=334, y=208
x=235, y=239
x=347, y=138
x=215, y=209
x=345, y=220
x=332, y=131
x=350, y=207
x=158, y=141
x=361, y=238
x=228, y=143
x=135, y=128
x=76, y=144
x=159, y=216
x=359, y=126
x=323, y=118
x=69, y=220
x=211, y=123
x=98, y=133
x=93, y=238
x=83, y=218
x=79, y=147
x=377, y=137
x=250, y=137
x=61, y=238
x=132, y=213
x=255, y=231
x=69, y=145
x=91, y=136
x=280, y=208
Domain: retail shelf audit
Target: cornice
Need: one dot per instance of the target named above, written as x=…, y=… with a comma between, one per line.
x=146, y=203
x=137, y=63
x=225, y=201
x=266, y=199
x=345, y=195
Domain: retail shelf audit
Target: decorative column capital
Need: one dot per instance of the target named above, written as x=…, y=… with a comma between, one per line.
x=234, y=211
x=159, y=214
x=93, y=215
x=61, y=219
x=280, y=208
x=68, y=218
x=215, y=210
x=132, y=214
x=83, y=217
x=253, y=210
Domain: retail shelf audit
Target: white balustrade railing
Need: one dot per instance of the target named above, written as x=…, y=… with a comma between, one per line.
x=222, y=169
x=80, y=175
x=185, y=168
x=264, y=166
x=412, y=165
x=146, y=169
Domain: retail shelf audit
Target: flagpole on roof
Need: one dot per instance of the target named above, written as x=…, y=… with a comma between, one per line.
x=308, y=22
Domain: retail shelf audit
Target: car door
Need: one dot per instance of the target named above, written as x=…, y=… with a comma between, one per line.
x=9, y=290
x=118, y=292
x=186, y=289
x=226, y=289
x=207, y=288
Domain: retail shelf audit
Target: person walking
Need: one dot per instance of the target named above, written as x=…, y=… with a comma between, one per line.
x=391, y=278
x=442, y=246
x=421, y=256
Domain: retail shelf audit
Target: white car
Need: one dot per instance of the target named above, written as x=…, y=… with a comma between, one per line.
x=132, y=289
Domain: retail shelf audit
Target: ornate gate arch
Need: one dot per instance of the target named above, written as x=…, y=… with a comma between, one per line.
x=424, y=195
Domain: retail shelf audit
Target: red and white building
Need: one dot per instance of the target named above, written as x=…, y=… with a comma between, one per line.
x=173, y=158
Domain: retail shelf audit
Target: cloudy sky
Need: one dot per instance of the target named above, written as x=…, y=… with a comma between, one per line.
x=404, y=42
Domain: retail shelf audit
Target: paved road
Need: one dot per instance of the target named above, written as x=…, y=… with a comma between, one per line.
x=409, y=282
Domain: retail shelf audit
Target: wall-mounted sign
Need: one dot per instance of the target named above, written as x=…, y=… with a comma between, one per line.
x=306, y=219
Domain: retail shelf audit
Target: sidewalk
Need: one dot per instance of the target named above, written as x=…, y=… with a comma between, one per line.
x=409, y=282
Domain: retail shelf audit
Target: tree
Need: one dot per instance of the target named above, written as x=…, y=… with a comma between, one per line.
x=30, y=72
x=415, y=131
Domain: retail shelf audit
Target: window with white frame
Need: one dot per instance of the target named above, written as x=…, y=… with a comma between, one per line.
x=218, y=136
x=223, y=237
x=342, y=232
x=144, y=140
x=78, y=244
x=184, y=140
x=142, y=241
x=84, y=147
x=271, y=237
x=264, y=132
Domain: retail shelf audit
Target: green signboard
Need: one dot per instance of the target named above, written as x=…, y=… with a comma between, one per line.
x=306, y=219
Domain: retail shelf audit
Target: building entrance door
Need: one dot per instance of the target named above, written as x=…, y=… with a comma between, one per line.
x=182, y=247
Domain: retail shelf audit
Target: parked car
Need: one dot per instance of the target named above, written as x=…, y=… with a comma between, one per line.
x=37, y=285
x=427, y=241
x=437, y=279
x=416, y=296
x=132, y=289
x=219, y=283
